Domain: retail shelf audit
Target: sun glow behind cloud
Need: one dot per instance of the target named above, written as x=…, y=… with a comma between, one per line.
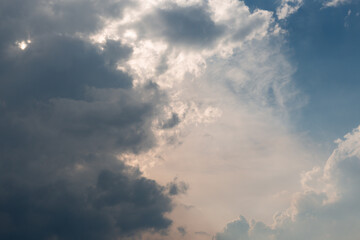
x=23, y=44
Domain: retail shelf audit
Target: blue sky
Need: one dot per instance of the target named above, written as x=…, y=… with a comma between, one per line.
x=324, y=48
x=179, y=119
x=322, y=44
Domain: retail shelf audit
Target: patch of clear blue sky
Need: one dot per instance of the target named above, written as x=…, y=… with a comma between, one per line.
x=324, y=46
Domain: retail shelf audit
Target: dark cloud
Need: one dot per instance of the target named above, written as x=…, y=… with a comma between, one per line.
x=23, y=19
x=182, y=231
x=172, y=122
x=176, y=187
x=57, y=67
x=163, y=65
x=187, y=26
x=115, y=52
x=121, y=203
x=66, y=112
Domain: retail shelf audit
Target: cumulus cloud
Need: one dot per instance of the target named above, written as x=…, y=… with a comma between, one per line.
x=326, y=209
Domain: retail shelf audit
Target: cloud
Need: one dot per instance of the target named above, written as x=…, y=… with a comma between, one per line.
x=189, y=26
x=176, y=187
x=66, y=112
x=288, y=7
x=172, y=122
x=335, y=3
x=326, y=209
x=70, y=17
x=221, y=86
x=121, y=203
x=182, y=231
x=173, y=87
x=58, y=67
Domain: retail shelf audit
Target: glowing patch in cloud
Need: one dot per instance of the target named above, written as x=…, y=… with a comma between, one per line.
x=23, y=44
x=130, y=34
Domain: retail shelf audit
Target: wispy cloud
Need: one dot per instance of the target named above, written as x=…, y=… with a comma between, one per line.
x=335, y=3
x=288, y=7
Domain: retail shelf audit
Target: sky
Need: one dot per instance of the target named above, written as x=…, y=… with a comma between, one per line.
x=179, y=119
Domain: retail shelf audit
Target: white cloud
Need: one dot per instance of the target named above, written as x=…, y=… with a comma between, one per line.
x=326, y=209
x=238, y=60
x=335, y=3
x=288, y=7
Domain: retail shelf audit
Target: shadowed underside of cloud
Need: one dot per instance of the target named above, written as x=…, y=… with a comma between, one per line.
x=119, y=203
x=66, y=112
x=327, y=209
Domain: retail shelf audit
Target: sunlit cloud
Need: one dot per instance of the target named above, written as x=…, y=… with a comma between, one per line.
x=335, y=3
x=288, y=7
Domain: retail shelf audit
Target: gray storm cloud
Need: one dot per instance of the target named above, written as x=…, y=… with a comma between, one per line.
x=66, y=112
